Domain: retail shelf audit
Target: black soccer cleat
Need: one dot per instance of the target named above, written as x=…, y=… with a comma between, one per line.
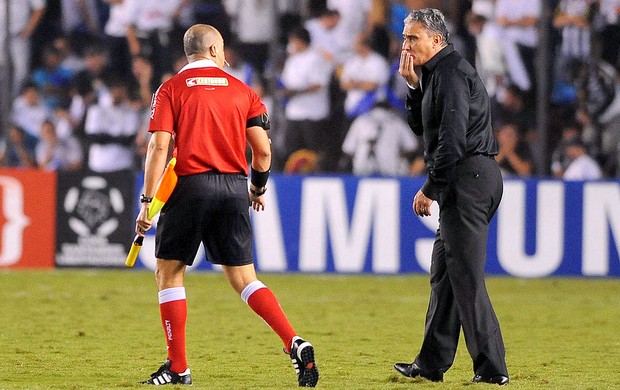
x=164, y=376
x=302, y=357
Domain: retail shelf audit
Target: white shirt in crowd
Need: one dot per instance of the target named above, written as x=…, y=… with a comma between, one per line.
x=120, y=121
x=152, y=15
x=118, y=21
x=583, y=168
x=609, y=10
x=376, y=140
x=255, y=21
x=302, y=70
x=353, y=14
x=323, y=39
x=74, y=16
x=29, y=117
x=66, y=152
x=518, y=9
x=20, y=14
x=372, y=67
x=575, y=39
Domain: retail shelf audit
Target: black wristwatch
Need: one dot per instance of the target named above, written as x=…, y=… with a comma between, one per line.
x=258, y=191
x=145, y=199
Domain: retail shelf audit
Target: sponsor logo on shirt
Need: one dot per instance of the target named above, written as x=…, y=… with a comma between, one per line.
x=213, y=81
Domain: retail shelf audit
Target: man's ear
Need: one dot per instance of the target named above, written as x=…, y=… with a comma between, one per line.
x=213, y=51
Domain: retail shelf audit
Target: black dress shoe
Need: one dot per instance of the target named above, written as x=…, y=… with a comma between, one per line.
x=495, y=379
x=412, y=370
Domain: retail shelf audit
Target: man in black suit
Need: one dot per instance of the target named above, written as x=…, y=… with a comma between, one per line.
x=448, y=105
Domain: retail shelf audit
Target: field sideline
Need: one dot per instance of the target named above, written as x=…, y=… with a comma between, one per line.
x=100, y=329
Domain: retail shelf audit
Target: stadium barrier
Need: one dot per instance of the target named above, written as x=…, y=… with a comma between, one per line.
x=95, y=218
x=329, y=224
x=27, y=218
x=347, y=224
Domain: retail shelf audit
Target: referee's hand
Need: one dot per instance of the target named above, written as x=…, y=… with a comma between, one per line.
x=258, y=202
x=142, y=221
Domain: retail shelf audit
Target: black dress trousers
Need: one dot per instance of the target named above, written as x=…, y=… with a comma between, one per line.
x=459, y=296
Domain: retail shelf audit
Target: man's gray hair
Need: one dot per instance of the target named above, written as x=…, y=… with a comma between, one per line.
x=432, y=19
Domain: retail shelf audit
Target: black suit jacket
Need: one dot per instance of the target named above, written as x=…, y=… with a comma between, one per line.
x=451, y=110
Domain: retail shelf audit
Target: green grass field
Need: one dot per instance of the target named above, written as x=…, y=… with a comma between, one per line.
x=100, y=329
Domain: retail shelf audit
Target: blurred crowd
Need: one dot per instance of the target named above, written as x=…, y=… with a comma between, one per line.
x=83, y=73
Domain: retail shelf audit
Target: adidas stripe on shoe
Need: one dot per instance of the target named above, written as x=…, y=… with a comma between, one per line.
x=164, y=376
x=302, y=357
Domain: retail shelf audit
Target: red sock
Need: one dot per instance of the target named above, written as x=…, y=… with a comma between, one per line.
x=173, y=309
x=266, y=305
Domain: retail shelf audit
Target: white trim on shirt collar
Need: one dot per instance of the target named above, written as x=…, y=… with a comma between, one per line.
x=199, y=64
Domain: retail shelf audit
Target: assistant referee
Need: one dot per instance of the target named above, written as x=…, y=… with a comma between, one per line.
x=211, y=116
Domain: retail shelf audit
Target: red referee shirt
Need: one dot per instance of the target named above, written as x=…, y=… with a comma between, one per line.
x=206, y=110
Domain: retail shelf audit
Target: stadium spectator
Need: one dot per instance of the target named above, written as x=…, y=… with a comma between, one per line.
x=150, y=26
x=323, y=34
x=52, y=79
x=305, y=78
x=17, y=148
x=29, y=110
x=518, y=20
x=514, y=156
x=70, y=60
x=599, y=109
x=364, y=78
x=142, y=70
x=115, y=35
x=380, y=43
x=54, y=153
x=67, y=116
x=213, y=13
x=353, y=22
x=559, y=160
x=398, y=13
x=582, y=166
x=80, y=21
x=589, y=89
x=256, y=28
x=241, y=69
x=24, y=17
x=609, y=31
x=210, y=201
x=510, y=107
x=111, y=131
x=490, y=55
x=379, y=13
x=380, y=142
x=572, y=18
x=179, y=61
x=90, y=83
